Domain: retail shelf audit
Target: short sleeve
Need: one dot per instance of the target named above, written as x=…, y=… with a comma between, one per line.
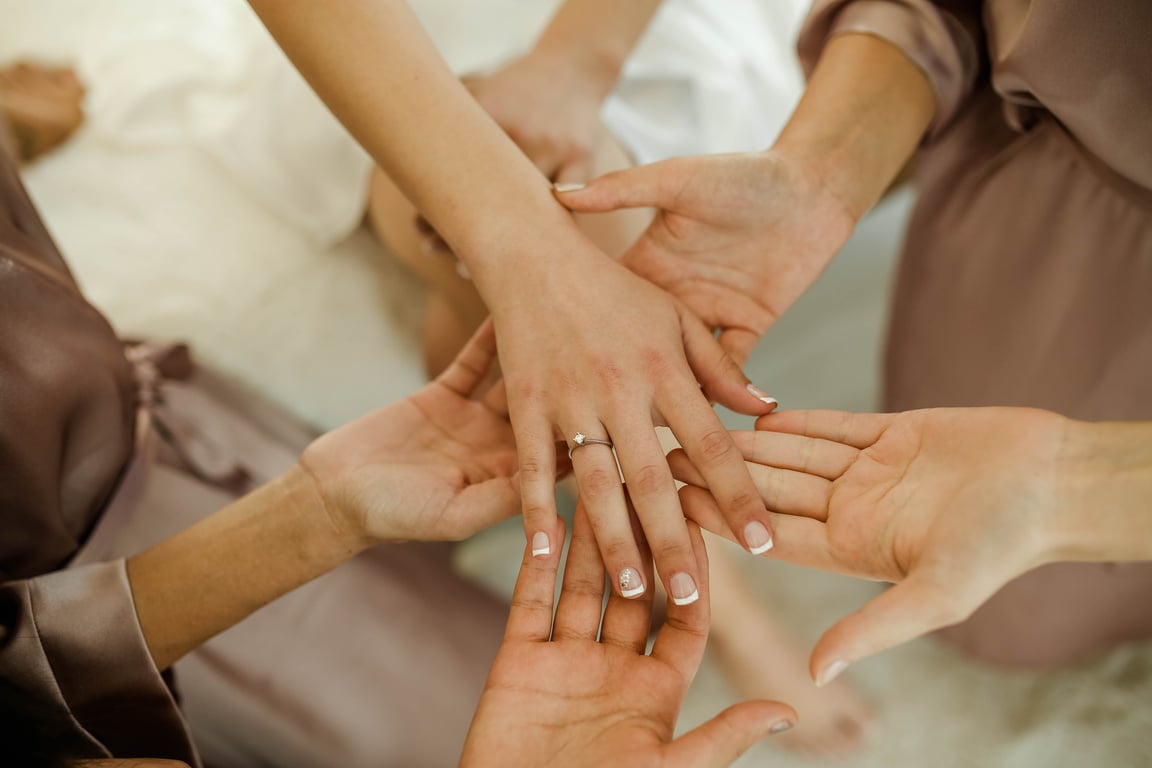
x=940, y=42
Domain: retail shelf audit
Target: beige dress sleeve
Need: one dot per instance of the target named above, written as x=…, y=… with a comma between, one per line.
x=942, y=43
x=69, y=626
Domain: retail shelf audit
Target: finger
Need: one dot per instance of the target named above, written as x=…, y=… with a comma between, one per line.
x=537, y=456
x=711, y=449
x=530, y=615
x=721, y=378
x=652, y=490
x=486, y=504
x=598, y=479
x=680, y=642
x=465, y=373
x=582, y=597
x=645, y=186
x=858, y=430
x=720, y=741
x=628, y=622
x=496, y=399
x=782, y=490
x=912, y=608
x=576, y=170
x=813, y=456
x=800, y=540
x=738, y=343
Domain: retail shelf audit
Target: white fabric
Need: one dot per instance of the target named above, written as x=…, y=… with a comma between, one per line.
x=210, y=193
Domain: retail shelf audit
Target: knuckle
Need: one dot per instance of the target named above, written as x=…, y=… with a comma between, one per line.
x=610, y=376
x=651, y=480
x=599, y=483
x=716, y=445
x=617, y=550
x=742, y=501
x=674, y=551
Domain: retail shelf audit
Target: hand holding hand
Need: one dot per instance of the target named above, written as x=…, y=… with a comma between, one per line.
x=949, y=504
x=738, y=238
x=575, y=692
x=438, y=465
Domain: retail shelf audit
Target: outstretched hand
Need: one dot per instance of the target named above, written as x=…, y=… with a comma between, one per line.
x=580, y=690
x=949, y=504
x=439, y=465
x=738, y=237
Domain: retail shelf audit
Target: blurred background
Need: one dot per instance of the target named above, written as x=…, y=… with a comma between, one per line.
x=210, y=197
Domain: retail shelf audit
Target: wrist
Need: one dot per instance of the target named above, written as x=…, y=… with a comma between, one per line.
x=337, y=528
x=1103, y=512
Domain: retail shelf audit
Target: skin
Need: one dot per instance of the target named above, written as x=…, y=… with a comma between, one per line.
x=948, y=504
x=632, y=356
x=581, y=695
x=738, y=238
x=439, y=465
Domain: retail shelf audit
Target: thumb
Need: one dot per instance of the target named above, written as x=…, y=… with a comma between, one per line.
x=721, y=740
x=722, y=379
x=914, y=607
x=645, y=186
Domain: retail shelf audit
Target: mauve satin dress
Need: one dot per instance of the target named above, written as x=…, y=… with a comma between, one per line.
x=106, y=449
x=1026, y=275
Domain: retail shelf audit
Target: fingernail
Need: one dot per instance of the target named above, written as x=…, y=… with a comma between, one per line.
x=683, y=589
x=830, y=673
x=756, y=538
x=568, y=187
x=462, y=270
x=540, y=545
x=631, y=585
x=780, y=727
x=763, y=396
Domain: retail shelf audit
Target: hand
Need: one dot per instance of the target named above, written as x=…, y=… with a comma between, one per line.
x=592, y=348
x=950, y=504
x=738, y=238
x=549, y=108
x=438, y=465
x=556, y=696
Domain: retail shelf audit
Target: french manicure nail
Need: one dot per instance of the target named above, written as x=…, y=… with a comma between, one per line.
x=756, y=538
x=780, y=727
x=830, y=673
x=683, y=589
x=763, y=396
x=631, y=585
x=568, y=187
x=540, y=545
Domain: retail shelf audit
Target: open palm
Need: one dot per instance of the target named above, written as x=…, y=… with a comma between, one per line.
x=947, y=503
x=574, y=692
x=738, y=238
x=439, y=465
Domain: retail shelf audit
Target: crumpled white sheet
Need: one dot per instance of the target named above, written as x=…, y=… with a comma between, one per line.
x=211, y=197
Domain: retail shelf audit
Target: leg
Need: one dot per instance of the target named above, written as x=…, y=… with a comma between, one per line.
x=761, y=660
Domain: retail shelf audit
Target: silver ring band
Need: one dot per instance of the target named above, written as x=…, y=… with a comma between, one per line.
x=581, y=440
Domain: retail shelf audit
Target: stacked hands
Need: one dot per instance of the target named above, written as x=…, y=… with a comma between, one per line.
x=950, y=504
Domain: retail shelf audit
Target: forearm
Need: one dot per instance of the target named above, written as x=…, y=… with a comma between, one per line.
x=209, y=577
x=371, y=62
x=1105, y=481
x=866, y=109
x=596, y=37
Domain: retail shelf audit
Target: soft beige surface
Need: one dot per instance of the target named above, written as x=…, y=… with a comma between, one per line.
x=173, y=233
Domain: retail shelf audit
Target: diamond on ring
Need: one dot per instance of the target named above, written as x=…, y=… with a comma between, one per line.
x=579, y=438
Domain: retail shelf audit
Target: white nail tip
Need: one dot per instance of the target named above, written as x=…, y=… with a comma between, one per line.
x=568, y=187
x=687, y=600
x=542, y=552
x=634, y=592
x=763, y=547
x=831, y=672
